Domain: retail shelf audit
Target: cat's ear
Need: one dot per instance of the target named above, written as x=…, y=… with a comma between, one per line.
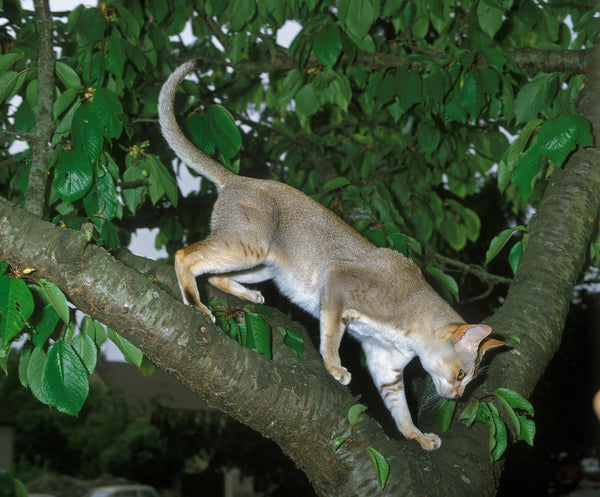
x=467, y=337
x=490, y=343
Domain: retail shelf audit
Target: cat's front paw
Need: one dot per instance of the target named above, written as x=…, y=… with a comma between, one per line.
x=340, y=373
x=255, y=297
x=429, y=441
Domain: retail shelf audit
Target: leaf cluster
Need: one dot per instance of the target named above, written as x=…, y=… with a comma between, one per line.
x=492, y=410
x=59, y=354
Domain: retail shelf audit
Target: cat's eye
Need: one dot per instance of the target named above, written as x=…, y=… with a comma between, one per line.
x=461, y=374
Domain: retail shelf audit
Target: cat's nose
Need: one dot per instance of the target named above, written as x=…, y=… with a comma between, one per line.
x=457, y=396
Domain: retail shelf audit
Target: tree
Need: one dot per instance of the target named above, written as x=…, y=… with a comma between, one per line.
x=394, y=114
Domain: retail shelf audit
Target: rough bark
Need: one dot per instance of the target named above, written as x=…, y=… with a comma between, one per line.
x=42, y=153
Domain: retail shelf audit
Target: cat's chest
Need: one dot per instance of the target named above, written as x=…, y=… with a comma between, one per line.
x=387, y=337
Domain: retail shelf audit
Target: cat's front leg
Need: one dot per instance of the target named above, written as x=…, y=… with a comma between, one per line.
x=386, y=365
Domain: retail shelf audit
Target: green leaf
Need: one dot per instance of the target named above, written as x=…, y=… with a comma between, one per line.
x=527, y=429
x=446, y=408
x=8, y=60
x=199, y=130
x=307, y=102
x=73, y=175
x=260, y=331
x=514, y=256
x=359, y=18
x=55, y=297
x=557, y=138
x=534, y=96
x=35, y=370
x=102, y=201
x=500, y=438
x=86, y=133
x=131, y=352
x=87, y=351
x=161, y=181
x=447, y=281
x=338, y=442
x=355, y=413
x=334, y=184
x=380, y=465
x=327, y=45
x=585, y=138
x=515, y=400
x=67, y=75
x=499, y=241
x=469, y=413
x=293, y=340
x=527, y=169
x=46, y=326
x=511, y=414
x=490, y=17
x=106, y=109
x=8, y=82
x=64, y=379
x=16, y=307
x=224, y=131
x=133, y=197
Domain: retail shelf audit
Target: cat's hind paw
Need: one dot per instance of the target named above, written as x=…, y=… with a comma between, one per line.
x=429, y=441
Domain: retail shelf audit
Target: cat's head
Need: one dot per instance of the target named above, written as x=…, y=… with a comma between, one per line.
x=456, y=361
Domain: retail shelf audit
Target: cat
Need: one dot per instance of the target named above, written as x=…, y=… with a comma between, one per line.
x=262, y=229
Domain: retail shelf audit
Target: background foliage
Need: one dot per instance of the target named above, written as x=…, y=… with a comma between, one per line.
x=411, y=120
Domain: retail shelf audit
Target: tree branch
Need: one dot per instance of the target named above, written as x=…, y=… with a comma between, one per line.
x=42, y=153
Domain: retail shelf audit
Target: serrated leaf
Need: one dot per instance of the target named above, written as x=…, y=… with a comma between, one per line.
x=355, y=413
x=86, y=350
x=131, y=352
x=557, y=138
x=106, y=109
x=64, y=379
x=16, y=307
x=199, y=130
x=46, y=326
x=35, y=370
x=515, y=400
x=260, y=331
x=94, y=330
x=526, y=171
x=86, y=133
x=446, y=408
x=73, y=175
x=500, y=438
x=527, y=429
x=380, y=465
x=533, y=97
x=56, y=298
x=224, y=131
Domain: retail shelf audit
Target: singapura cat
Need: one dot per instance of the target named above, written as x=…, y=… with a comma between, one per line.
x=264, y=229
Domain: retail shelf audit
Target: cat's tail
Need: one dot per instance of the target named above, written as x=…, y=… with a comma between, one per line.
x=184, y=148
